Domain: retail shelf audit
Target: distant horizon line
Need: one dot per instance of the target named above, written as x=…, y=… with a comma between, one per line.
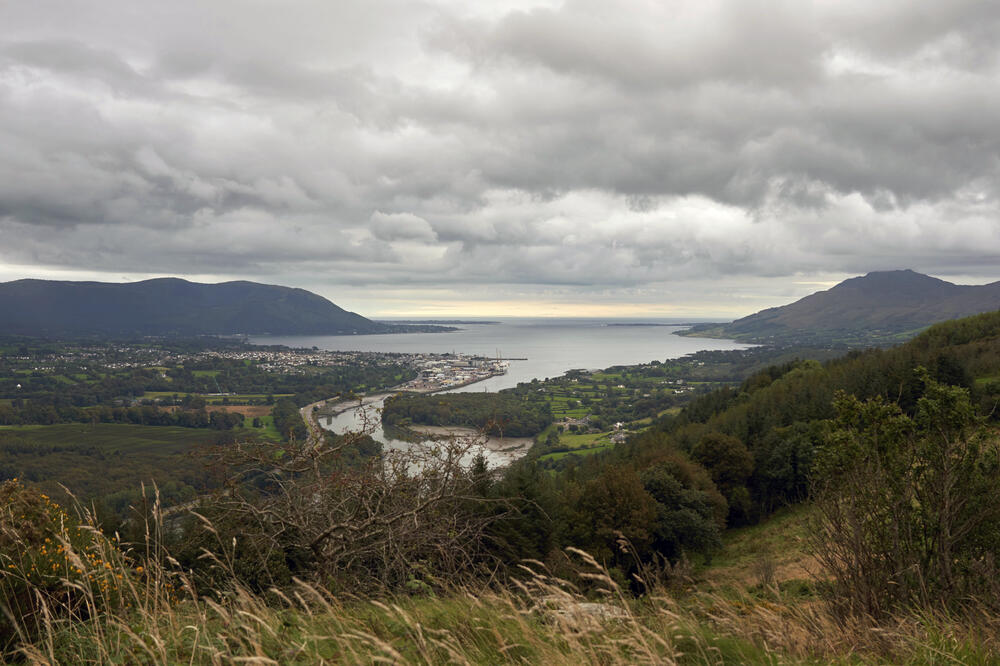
x=482, y=319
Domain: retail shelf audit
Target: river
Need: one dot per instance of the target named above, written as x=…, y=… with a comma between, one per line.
x=499, y=453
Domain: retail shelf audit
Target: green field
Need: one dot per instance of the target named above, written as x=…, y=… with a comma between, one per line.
x=582, y=441
x=104, y=458
x=268, y=431
x=576, y=452
x=583, y=445
x=608, y=377
x=119, y=437
x=983, y=381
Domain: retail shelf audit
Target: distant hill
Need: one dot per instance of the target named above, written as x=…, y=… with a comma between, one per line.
x=175, y=307
x=878, y=308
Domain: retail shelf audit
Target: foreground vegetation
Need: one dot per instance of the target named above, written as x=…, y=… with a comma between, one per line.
x=103, y=604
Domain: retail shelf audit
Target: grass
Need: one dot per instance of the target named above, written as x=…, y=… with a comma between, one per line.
x=560, y=407
x=534, y=622
x=606, y=378
x=983, y=381
x=123, y=438
x=582, y=441
x=158, y=615
x=576, y=452
x=268, y=431
x=779, y=544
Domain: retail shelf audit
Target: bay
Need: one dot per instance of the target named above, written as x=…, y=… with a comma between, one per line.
x=551, y=346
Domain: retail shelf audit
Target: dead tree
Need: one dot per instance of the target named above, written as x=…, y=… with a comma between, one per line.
x=399, y=517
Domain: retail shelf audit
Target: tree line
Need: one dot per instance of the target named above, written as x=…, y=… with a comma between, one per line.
x=33, y=413
x=504, y=413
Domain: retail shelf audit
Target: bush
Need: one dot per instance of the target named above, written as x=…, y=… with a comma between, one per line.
x=908, y=508
x=48, y=560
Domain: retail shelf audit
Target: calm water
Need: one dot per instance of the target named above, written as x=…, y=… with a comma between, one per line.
x=552, y=346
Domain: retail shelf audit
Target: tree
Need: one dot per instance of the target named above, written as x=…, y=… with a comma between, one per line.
x=684, y=514
x=614, y=506
x=299, y=509
x=730, y=464
x=782, y=464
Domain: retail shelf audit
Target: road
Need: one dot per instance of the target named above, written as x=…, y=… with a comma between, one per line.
x=315, y=432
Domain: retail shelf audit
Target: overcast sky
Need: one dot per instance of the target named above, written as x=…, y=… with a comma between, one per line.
x=631, y=158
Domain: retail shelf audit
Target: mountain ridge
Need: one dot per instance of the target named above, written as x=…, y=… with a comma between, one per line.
x=175, y=307
x=881, y=307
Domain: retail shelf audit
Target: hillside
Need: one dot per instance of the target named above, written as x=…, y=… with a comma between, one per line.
x=171, y=306
x=880, y=307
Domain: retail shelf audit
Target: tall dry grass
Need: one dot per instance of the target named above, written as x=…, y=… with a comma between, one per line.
x=162, y=618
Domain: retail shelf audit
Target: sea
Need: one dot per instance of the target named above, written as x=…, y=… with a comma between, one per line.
x=551, y=346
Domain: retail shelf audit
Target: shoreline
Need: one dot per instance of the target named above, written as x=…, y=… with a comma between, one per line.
x=492, y=442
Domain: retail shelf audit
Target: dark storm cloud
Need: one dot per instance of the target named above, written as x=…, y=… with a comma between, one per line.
x=594, y=145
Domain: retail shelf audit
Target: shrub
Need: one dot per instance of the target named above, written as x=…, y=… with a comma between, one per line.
x=50, y=563
x=908, y=508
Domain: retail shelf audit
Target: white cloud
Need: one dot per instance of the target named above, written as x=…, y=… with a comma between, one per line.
x=400, y=226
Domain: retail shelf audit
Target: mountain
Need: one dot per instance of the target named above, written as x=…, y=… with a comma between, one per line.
x=880, y=307
x=171, y=306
